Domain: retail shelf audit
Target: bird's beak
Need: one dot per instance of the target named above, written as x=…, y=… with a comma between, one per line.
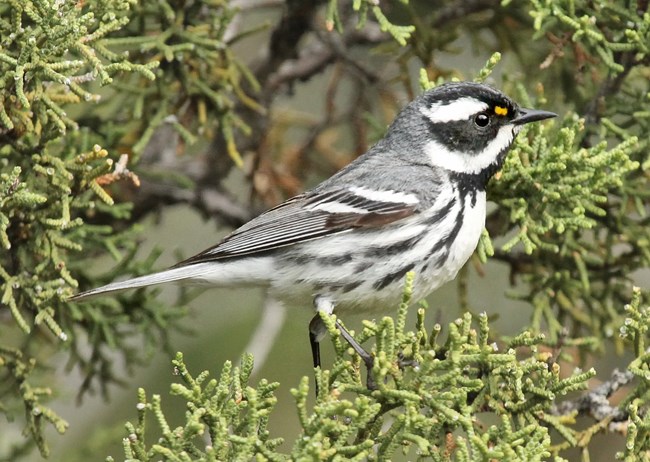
x=531, y=115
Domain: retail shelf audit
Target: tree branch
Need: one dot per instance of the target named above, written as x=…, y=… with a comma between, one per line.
x=595, y=403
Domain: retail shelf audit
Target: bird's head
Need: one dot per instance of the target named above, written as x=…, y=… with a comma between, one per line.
x=465, y=127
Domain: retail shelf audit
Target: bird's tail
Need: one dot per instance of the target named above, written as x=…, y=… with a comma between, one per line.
x=170, y=275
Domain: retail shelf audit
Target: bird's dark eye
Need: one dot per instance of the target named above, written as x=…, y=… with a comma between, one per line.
x=482, y=120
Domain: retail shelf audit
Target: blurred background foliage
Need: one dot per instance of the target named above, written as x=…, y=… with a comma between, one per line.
x=114, y=111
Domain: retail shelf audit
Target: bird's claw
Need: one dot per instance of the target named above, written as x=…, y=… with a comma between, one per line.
x=367, y=358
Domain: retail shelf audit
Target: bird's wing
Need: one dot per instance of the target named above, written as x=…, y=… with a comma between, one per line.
x=310, y=216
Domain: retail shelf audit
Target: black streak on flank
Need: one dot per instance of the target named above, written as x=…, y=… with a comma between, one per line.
x=393, y=249
x=351, y=286
x=442, y=213
x=364, y=265
x=445, y=242
x=405, y=245
x=334, y=260
x=451, y=237
x=300, y=259
x=392, y=277
x=437, y=262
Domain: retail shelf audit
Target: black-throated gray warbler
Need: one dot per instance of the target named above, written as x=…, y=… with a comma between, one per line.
x=414, y=202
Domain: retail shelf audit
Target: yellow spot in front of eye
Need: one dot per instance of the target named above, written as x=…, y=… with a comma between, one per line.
x=502, y=111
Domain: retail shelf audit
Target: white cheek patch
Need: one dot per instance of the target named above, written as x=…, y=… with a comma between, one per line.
x=461, y=109
x=462, y=162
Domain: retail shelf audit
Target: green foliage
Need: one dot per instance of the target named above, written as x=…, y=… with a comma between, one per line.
x=602, y=28
x=199, y=82
x=83, y=93
x=39, y=72
x=575, y=198
x=401, y=34
x=571, y=184
x=635, y=331
x=36, y=414
x=553, y=192
x=47, y=63
x=607, y=42
x=462, y=398
x=227, y=411
x=60, y=133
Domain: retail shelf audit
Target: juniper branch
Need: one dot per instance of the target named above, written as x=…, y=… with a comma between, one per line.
x=594, y=403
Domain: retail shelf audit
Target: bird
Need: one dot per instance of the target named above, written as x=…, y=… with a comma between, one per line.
x=414, y=202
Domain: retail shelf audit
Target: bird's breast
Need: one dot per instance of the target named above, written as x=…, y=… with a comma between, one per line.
x=470, y=230
x=365, y=270
x=451, y=241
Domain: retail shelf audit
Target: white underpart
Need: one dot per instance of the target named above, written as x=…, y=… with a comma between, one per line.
x=385, y=196
x=461, y=109
x=463, y=162
x=324, y=304
x=470, y=233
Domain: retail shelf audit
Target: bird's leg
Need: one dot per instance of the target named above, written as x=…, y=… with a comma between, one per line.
x=317, y=331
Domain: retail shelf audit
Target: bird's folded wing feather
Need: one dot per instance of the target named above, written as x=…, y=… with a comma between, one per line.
x=310, y=216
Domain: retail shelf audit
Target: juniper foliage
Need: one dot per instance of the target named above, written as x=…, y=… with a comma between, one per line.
x=89, y=89
x=441, y=395
x=72, y=82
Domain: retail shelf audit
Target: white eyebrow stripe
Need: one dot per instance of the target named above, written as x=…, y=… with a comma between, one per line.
x=461, y=109
x=385, y=196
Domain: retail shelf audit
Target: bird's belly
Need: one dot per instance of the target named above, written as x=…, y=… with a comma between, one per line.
x=365, y=271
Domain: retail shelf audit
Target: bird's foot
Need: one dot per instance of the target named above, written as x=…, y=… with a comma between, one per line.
x=367, y=358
